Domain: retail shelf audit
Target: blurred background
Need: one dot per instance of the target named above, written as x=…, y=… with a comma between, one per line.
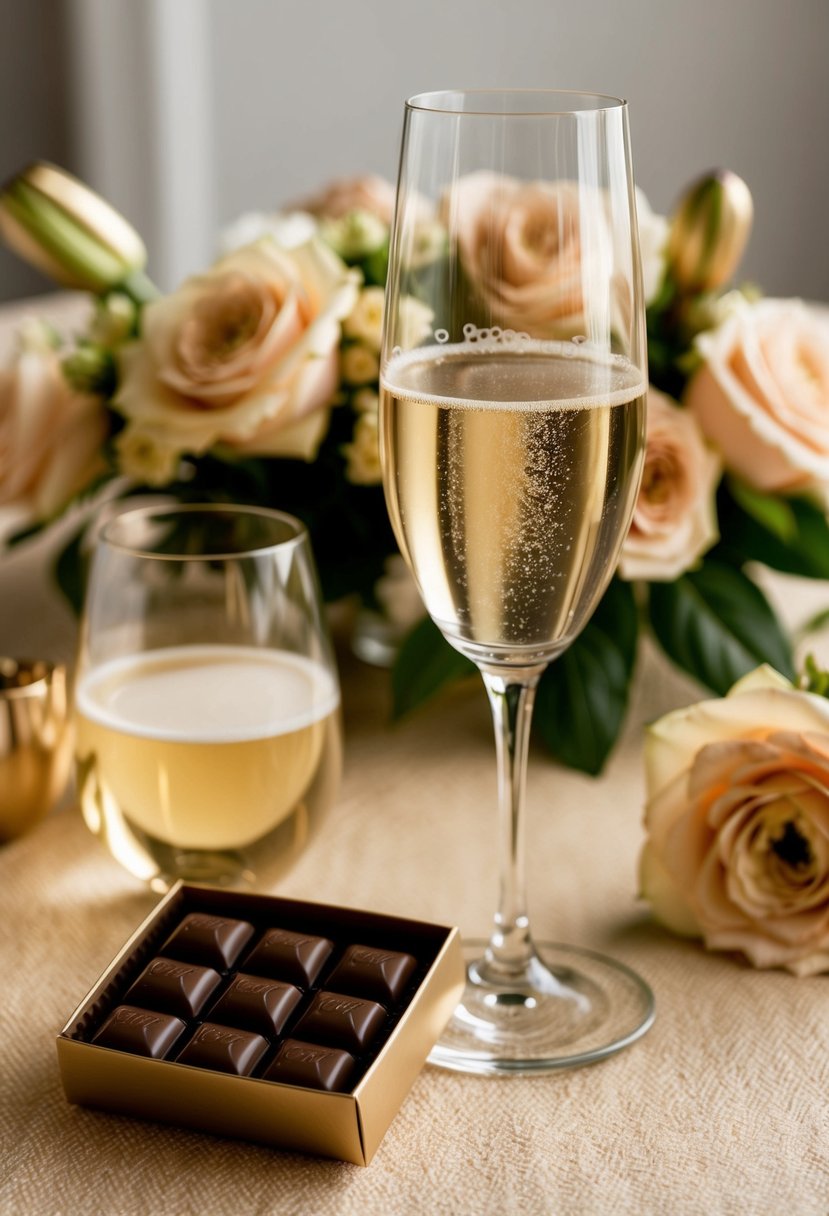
x=185, y=113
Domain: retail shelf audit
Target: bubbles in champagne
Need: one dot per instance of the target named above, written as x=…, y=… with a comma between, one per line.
x=512, y=472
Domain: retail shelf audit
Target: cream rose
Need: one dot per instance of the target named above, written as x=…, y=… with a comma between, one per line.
x=51, y=437
x=289, y=229
x=359, y=365
x=675, y=519
x=762, y=394
x=365, y=321
x=365, y=324
x=738, y=823
x=362, y=455
x=245, y=355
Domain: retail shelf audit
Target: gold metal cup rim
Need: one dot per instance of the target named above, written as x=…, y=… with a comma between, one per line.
x=25, y=677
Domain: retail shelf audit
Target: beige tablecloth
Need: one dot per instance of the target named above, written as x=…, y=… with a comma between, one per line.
x=721, y=1108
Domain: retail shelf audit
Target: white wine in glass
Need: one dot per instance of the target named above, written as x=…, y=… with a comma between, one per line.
x=512, y=439
x=207, y=723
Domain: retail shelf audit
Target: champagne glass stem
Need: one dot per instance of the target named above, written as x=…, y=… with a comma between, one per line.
x=511, y=698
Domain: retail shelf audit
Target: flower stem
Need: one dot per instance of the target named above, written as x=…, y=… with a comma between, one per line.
x=140, y=289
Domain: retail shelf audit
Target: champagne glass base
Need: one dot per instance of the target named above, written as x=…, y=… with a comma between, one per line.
x=577, y=1009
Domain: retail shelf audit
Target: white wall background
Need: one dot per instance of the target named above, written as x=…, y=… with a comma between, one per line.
x=306, y=90
x=187, y=112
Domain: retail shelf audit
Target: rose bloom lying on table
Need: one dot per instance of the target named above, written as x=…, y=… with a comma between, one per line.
x=738, y=823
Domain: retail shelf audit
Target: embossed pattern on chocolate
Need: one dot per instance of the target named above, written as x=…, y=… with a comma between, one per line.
x=299, y=1063
x=140, y=1031
x=284, y=955
x=381, y=975
x=215, y=1046
x=343, y=1021
x=180, y=988
x=213, y=941
x=257, y=1003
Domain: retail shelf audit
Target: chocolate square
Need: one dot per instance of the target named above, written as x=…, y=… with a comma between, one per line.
x=342, y=1021
x=295, y=957
x=380, y=975
x=308, y=1064
x=223, y=1049
x=141, y=1031
x=175, y=987
x=256, y=1003
x=213, y=941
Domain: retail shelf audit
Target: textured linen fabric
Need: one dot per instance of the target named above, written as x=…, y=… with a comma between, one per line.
x=720, y=1109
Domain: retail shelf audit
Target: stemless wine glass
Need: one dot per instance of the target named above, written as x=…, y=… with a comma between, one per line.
x=512, y=428
x=208, y=737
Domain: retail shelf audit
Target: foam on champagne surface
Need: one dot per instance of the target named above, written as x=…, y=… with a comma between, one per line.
x=583, y=379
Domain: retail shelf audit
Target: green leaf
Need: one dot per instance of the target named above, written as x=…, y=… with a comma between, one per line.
x=375, y=267
x=583, y=695
x=814, y=678
x=425, y=664
x=716, y=624
x=814, y=624
x=71, y=570
x=771, y=512
x=748, y=537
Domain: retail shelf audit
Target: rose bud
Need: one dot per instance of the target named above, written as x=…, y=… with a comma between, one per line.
x=89, y=368
x=115, y=320
x=709, y=231
x=355, y=235
x=70, y=233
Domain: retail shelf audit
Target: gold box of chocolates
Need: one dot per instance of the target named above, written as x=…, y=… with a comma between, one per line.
x=290, y=1023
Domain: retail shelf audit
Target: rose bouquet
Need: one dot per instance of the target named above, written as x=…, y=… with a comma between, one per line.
x=257, y=381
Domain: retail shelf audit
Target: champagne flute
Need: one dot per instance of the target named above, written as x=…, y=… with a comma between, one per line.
x=513, y=387
x=208, y=737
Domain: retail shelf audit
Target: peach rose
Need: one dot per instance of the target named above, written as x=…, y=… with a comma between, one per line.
x=762, y=394
x=245, y=355
x=369, y=193
x=675, y=519
x=520, y=245
x=738, y=823
x=51, y=437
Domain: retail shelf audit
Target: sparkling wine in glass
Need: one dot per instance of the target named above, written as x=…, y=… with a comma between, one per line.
x=512, y=433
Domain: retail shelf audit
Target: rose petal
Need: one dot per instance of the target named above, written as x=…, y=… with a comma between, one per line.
x=667, y=901
x=750, y=710
x=759, y=402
